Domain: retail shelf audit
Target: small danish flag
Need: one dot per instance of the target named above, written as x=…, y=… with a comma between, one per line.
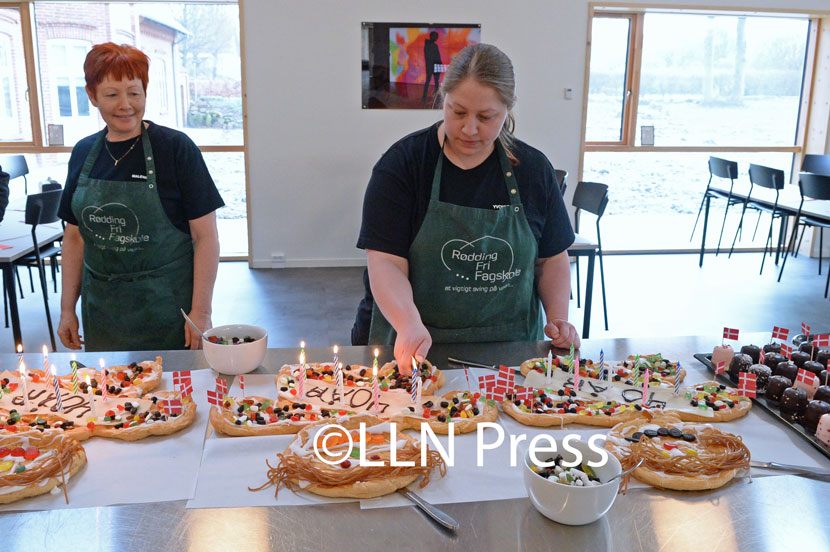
x=524, y=394
x=181, y=379
x=780, y=333
x=821, y=340
x=504, y=383
x=221, y=386
x=786, y=350
x=487, y=384
x=761, y=356
x=805, y=377
x=746, y=384
x=720, y=367
x=216, y=397
x=187, y=390
x=730, y=333
x=172, y=406
x=242, y=384
x=805, y=329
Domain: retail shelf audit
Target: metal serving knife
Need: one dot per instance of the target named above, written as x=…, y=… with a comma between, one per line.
x=438, y=515
x=790, y=468
x=472, y=364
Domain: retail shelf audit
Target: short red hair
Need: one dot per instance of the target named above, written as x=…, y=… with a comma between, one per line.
x=116, y=61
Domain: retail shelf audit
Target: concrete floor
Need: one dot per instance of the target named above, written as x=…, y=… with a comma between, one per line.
x=649, y=295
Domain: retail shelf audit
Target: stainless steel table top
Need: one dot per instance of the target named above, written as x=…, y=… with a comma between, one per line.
x=770, y=513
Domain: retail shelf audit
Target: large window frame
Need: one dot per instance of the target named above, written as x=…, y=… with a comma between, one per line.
x=636, y=15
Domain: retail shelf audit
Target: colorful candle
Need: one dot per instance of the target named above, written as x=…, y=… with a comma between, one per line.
x=602, y=365
x=56, y=384
x=24, y=384
x=645, y=386
x=103, y=383
x=301, y=378
x=74, y=366
x=19, y=356
x=375, y=363
x=91, y=398
x=45, y=360
x=338, y=376
x=336, y=349
x=416, y=374
x=576, y=373
x=375, y=387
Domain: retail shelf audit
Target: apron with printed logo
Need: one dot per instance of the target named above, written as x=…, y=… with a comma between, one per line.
x=138, y=267
x=472, y=271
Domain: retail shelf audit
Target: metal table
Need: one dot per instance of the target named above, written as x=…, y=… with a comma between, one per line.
x=771, y=513
x=16, y=235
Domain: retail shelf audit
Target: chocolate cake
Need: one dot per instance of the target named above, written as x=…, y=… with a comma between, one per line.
x=740, y=363
x=773, y=360
x=762, y=374
x=753, y=351
x=786, y=369
x=799, y=358
x=815, y=410
x=823, y=394
x=776, y=387
x=793, y=404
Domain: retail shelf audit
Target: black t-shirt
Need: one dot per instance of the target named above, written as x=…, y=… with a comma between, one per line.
x=184, y=185
x=399, y=190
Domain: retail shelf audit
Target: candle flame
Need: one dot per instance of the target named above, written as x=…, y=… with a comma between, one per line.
x=336, y=349
x=87, y=379
x=414, y=365
x=102, y=363
x=302, y=344
x=45, y=351
x=340, y=365
x=20, y=348
x=54, y=370
x=377, y=352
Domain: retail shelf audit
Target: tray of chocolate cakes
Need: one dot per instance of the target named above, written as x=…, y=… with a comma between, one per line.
x=793, y=390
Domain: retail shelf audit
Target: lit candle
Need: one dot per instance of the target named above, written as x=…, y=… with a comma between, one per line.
x=301, y=378
x=338, y=375
x=335, y=349
x=45, y=361
x=601, y=365
x=103, y=383
x=302, y=348
x=24, y=384
x=416, y=374
x=548, y=365
x=375, y=388
x=576, y=373
x=645, y=386
x=375, y=363
x=74, y=366
x=19, y=356
x=57, y=386
x=91, y=398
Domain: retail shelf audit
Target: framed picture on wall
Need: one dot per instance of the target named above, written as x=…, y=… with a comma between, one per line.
x=403, y=63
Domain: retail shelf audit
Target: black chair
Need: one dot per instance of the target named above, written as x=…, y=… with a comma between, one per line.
x=772, y=179
x=562, y=180
x=42, y=209
x=812, y=186
x=720, y=168
x=593, y=198
x=816, y=164
x=16, y=166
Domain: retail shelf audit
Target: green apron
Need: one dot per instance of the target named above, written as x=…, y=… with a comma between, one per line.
x=138, y=267
x=472, y=271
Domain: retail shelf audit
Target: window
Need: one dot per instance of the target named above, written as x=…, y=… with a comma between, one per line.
x=195, y=82
x=667, y=90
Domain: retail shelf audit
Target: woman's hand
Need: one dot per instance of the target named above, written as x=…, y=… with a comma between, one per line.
x=413, y=341
x=68, y=331
x=562, y=334
x=192, y=339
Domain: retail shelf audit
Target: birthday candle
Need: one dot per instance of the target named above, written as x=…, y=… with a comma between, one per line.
x=335, y=349
x=375, y=390
x=301, y=378
x=103, y=382
x=645, y=387
x=416, y=375
x=45, y=360
x=56, y=384
x=74, y=366
x=548, y=364
x=25, y=385
x=601, y=364
x=375, y=363
x=338, y=375
x=576, y=374
x=91, y=398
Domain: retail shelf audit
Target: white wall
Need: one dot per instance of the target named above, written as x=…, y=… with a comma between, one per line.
x=311, y=146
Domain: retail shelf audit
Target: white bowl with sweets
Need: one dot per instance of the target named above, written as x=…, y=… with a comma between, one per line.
x=572, y=495
x=235, y=348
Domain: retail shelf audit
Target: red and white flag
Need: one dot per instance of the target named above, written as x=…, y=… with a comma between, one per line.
x=242, y=384
x=172, y=406
x=524, y=393
x=187, y=390
x=720, y=367
x=786, y=350
x=487, y=384
x=780, y=333
x=181, y=378
x=805, y=329
x=746, y=384
x=805, y=377
x=821, y=340
x=761, y=356
x=730, y=333
x=215, y=397
x=221, y=387
x=504, y=383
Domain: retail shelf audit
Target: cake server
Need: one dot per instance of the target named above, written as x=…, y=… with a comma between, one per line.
x=790, y=468
x=438, y=515
x=472, y=364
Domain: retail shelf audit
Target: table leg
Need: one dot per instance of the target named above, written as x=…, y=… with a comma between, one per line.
x=589, y=292
x=8, y=278
x=705, y=223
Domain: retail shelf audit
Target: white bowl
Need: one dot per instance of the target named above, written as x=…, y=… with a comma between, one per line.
x=240, y=358
x=569, y=504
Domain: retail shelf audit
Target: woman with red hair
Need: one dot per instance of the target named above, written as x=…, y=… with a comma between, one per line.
x=139, y=204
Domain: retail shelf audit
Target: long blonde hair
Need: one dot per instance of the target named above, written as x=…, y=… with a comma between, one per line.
x=487, y=65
